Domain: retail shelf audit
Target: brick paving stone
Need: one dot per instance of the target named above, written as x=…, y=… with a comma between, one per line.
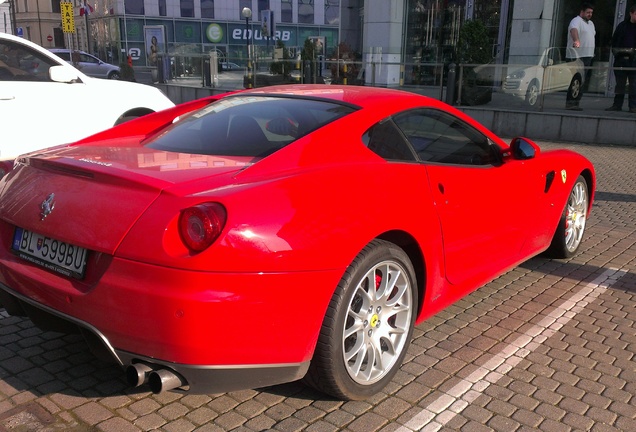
x=478, y=414
x=209, y=428
x=322, y=426
x=201, y=415
x=413, y=392
x=230, y=420
x=279, y=412
x=116, y=424
x=549, y=425
x=150, y=422
x=290, y=424
x=601, y=415
x=549, y=411
x=260, y=423
x=626, y=424
x=173, y=411
x=367, y=422
x=144, y=406
x=250, y=408
x=623, y=409
x=339, y=418
x=570, y=391
x=179, y=425
x=578, y=421
x=222, y=404
x=474, y=426
x=92, y=413
x=195, y=401
x=501, y=408
x=502, y=423
x=127, y=414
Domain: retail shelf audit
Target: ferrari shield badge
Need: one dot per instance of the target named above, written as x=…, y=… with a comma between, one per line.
x=564, y=175
x=47, y=206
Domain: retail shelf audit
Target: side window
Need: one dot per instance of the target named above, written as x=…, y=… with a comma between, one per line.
x=440, y=137
x=19, y=63
x=87, y=59
x=385, y=140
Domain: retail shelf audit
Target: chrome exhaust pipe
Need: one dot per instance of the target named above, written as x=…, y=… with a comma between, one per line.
x=137, y=374
x=164, y=380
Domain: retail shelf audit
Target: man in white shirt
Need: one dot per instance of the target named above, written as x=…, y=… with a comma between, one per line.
x=580, y=45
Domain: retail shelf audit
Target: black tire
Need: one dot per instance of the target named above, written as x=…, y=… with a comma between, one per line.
x=124, y=119
x=532, y=93
x=114, y=76
x=384, y=325
x=569, y=233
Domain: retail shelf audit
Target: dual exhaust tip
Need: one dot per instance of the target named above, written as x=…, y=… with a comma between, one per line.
x=159, y=378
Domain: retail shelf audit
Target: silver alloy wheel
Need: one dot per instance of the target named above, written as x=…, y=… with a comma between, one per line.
x=532, y=94
x=377, y=323
x=575, y=216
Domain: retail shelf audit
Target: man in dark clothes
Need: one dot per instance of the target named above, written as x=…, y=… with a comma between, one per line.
x=623, y=48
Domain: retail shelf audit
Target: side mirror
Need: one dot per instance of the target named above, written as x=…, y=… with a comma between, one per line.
x=524, y=149
x=63, y=74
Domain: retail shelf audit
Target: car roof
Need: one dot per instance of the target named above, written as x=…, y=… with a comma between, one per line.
x=365, y=97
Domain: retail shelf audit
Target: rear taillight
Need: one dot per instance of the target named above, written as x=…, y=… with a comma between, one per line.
x=201, y=225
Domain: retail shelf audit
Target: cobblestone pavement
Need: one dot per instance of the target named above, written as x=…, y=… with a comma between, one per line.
x=547, y=346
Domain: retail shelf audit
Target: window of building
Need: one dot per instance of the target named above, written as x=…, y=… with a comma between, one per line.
x=332, y=12
x=262, y=5
x=55, y=6
x=187, y=8
x=306, y=11
x=286, y=11
x=207, y=8
x=163, y=10
x=135, y=7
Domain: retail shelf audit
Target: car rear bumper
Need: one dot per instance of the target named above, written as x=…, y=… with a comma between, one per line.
x=261, y=327
x=201, y=379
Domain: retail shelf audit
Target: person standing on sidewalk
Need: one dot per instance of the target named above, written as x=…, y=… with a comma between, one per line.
x=580, y=46
x=623, y=44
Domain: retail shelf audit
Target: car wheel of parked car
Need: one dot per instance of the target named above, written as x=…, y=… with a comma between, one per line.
x=532, y=94
x=368, y=325
x=114, y=75
x=569, y=233
x=574, y=91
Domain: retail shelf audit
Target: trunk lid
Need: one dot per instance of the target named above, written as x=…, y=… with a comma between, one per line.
x=95, y=194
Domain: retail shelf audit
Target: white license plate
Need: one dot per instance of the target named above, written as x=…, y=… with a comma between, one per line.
x=64, y=258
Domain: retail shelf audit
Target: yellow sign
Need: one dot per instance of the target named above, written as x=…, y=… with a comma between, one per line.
x=68, y=20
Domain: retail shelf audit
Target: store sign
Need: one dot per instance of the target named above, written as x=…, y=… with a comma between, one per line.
x=214, y=33
x=257, y=35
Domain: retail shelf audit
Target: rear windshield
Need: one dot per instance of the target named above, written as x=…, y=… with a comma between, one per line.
x=253, y=126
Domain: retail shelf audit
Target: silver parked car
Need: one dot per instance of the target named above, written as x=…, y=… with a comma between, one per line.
x=87, y=63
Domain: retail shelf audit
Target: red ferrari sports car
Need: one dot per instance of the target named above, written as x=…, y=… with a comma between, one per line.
x=289, y=232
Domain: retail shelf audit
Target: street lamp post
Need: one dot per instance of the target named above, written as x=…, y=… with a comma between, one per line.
x=247, y=14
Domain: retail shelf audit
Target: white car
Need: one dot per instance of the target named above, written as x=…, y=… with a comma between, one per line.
x=87, y=63
x=45, y=101
x=551, y=74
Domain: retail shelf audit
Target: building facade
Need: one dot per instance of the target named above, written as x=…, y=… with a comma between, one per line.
x=400, y=35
